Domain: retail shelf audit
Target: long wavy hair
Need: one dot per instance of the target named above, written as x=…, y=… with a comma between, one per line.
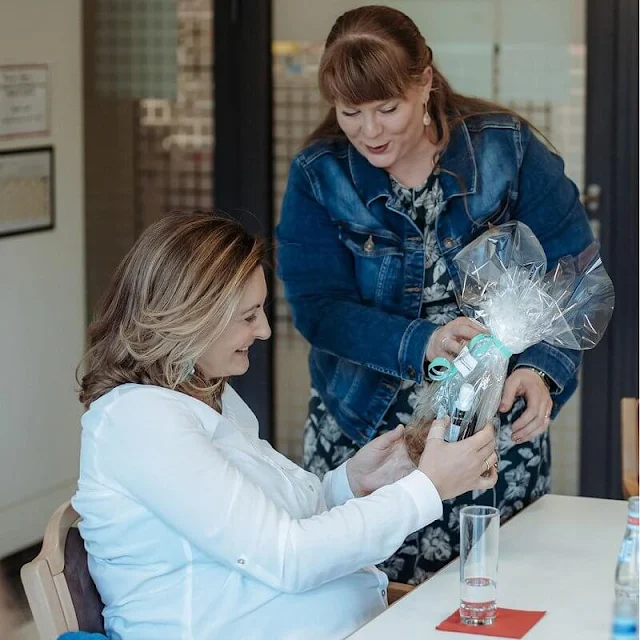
x=377, y=53
x=170, y=298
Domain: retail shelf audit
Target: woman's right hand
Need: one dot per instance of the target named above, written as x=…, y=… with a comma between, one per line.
x=458, y=467
x=448, y=340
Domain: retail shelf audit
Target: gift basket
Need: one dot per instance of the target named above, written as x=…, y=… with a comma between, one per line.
x=507, y=289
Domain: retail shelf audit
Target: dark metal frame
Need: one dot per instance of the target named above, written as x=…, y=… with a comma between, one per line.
x=243, y=156
x=50, y=224
x=610, y=371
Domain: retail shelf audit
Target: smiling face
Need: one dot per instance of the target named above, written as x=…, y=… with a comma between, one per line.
x=228, y=355
x=390, y=134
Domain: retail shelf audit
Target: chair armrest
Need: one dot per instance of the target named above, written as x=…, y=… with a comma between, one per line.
x=396, y=590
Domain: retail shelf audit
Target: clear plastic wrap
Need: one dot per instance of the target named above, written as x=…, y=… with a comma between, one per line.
x=507, y=289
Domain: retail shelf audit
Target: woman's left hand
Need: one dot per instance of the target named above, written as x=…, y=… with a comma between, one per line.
x=537, y=416
x=380, y=462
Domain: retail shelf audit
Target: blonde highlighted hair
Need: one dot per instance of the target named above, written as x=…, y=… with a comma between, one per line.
x=377, y=53
x=170, y=298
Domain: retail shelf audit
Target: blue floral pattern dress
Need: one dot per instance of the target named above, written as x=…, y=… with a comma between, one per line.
x=524, y=470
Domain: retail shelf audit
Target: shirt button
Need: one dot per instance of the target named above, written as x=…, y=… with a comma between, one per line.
x=384, y=593
x=448, y=243
x=241, y=561
x=412, y=372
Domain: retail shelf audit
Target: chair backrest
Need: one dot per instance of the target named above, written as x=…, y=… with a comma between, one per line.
x=59, y=588
x=630, y=426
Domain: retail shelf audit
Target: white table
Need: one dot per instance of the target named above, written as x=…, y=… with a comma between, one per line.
x=558, y=555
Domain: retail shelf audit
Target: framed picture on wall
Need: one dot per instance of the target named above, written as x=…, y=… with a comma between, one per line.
x=26, y=190
x=24, y=101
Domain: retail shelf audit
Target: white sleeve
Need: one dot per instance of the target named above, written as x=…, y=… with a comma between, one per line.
x=336, y=487
x=158, y=452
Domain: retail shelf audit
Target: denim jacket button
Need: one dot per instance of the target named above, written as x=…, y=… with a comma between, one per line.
x=369, y=245
x=412, y=372
x=448, y=243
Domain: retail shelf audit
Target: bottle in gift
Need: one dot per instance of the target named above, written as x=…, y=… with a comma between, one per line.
x=461, y=416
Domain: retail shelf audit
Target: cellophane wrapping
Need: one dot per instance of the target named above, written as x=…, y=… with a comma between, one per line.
x=507, y=289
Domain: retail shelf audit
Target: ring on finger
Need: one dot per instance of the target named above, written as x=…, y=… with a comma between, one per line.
x=486, y=464
x=444, y=341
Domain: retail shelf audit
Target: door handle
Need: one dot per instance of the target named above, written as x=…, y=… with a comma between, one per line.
x=591, y=201
x=591, y=197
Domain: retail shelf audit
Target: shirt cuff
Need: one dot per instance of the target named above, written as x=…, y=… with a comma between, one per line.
x=337, y=489
x=425, y=496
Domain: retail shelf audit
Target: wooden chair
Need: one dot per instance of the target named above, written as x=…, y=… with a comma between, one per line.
x=61, y=594
x=59, y=588
x=396, y=590
x=630, y=427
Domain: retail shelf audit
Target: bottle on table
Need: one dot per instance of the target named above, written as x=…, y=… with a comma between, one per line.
x=625, y=612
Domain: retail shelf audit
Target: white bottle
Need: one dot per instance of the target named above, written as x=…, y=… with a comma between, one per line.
x=462, y=406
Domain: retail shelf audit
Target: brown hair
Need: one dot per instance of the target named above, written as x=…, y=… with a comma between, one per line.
x=170, y=298
x=377, y=53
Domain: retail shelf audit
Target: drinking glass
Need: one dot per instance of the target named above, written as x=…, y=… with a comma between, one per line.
x=479, y=529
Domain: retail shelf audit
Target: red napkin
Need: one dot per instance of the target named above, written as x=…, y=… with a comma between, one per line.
x=510, y=623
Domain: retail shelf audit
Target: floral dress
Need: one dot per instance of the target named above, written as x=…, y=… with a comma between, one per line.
x=524, y=470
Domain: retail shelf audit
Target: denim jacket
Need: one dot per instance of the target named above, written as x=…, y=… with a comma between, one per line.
x=352, y=260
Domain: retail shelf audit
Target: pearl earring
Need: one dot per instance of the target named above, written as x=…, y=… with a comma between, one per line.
x=427, y=118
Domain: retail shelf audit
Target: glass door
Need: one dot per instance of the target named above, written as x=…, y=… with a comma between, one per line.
x=148, y=118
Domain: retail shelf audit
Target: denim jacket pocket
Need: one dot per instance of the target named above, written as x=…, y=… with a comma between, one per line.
x=378, y=256
x=370, y=243
x=498, y=214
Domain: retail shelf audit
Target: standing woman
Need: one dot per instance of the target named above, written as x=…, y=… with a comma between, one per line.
x=399, y=177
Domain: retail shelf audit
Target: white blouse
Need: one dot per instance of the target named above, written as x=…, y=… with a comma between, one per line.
x=198, y=529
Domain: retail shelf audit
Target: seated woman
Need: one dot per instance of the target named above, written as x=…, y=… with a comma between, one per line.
x=194, y=526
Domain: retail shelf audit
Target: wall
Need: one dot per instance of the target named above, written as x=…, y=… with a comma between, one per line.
x=42, y=290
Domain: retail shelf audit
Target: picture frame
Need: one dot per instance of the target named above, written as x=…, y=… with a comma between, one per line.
x=25, y=101
x=27, y=190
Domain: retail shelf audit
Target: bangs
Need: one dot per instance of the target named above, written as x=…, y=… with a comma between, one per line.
x=358, y=70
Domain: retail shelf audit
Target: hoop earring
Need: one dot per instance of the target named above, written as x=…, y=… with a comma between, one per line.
x=426, y=118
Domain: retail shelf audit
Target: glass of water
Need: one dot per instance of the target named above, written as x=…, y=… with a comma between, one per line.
x=479, y=529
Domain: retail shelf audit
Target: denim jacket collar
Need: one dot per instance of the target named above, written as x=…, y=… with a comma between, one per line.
x=457, y=168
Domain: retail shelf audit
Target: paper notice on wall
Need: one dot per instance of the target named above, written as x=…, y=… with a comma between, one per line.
x=24, y=100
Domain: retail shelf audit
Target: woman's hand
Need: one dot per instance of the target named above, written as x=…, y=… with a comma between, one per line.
x=537, y=416
x=380, y=462
x=448, y=340
x=458, y=467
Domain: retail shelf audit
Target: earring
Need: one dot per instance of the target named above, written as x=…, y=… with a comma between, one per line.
x=190, y=369
x=427, y=118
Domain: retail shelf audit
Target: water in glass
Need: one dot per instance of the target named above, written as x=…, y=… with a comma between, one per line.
x=478, y=601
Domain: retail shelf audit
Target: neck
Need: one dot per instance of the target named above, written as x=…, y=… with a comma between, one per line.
x=416, y=166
